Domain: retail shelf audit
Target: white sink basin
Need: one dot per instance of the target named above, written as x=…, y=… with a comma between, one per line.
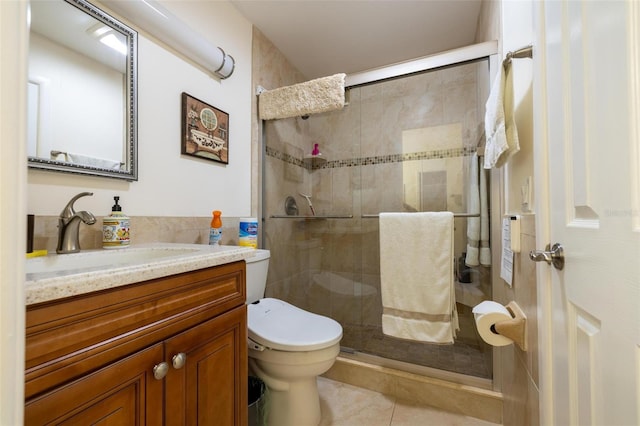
x=62, y=264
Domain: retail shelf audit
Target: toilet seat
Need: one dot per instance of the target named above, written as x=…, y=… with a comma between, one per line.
x=279, y=325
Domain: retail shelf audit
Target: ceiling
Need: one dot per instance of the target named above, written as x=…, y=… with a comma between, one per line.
x=324, y=37
x=71, y=27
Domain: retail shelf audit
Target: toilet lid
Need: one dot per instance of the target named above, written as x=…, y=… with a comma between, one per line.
x=278, y=325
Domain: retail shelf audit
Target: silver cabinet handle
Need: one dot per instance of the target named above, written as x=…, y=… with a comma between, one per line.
x=160, y=370
x=179, y=360
x=552, y=255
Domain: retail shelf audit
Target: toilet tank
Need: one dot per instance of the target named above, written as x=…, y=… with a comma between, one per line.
x=257, y=268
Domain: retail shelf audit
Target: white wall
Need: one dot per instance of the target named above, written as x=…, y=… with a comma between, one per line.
x=170, y=184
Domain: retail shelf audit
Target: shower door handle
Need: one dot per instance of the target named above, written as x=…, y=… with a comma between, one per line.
x=552, y=255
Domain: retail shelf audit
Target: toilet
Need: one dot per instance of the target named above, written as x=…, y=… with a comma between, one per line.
x=288, y=348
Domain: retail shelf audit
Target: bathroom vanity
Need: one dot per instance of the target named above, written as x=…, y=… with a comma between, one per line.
x=166, y=350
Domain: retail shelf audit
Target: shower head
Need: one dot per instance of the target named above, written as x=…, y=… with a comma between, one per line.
x=308, y=197
x=304, y=117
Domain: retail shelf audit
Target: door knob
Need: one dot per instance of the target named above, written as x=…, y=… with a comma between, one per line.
x=553, y=255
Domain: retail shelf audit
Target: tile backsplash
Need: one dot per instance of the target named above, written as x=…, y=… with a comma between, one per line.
x=144, y=229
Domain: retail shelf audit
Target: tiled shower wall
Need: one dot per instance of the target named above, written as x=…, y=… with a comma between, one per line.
x=400, y=145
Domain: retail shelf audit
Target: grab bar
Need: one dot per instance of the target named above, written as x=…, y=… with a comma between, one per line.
x=375, y=216
x=348, y=216
x=328, y=216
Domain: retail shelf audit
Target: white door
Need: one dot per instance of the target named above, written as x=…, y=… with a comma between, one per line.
x=587, y=115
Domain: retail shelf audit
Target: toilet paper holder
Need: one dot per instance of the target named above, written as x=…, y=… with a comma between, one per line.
x=515, y=328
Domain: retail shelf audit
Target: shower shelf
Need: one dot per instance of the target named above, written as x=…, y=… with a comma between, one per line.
x=322, y=216
x=313, y=161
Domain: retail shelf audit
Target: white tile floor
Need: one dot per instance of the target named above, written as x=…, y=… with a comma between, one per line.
x=345, y=405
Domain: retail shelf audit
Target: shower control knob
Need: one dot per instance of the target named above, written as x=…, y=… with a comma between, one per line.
x=179, y=360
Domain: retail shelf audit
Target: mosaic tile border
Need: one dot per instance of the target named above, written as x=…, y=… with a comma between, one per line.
x=370, y=161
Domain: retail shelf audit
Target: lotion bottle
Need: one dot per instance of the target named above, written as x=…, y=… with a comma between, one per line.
x=215, y=232
x=115, y=228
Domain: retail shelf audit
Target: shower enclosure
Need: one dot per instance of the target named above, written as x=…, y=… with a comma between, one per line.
x=400, y=145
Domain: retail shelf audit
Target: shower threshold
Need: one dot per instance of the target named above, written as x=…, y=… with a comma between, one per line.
x=450, y=376
x=477, y=400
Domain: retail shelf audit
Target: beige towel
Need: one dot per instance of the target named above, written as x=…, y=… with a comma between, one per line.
x=500, y=124
x=311, y=97
x=416, y=273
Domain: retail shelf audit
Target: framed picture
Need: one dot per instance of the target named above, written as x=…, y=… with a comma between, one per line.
x=205, y=130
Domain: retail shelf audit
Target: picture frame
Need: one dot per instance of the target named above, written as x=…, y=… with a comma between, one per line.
x=205, y=130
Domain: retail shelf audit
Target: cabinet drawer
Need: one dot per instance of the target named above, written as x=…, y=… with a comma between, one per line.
x=71, y=337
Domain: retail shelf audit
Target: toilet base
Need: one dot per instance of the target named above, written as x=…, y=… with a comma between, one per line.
x=291, y=379
x=299, y=406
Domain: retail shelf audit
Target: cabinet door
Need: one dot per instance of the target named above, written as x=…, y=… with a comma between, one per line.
x=123, y=393
x=208, y=386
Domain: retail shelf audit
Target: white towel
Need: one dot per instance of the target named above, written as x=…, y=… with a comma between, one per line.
x=87, y=160
x=311, y=97
x=485, y=250
x=473, y=223
x=416, y=273
x=499, y=122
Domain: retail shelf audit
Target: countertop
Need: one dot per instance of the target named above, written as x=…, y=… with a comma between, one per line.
x=83, y=277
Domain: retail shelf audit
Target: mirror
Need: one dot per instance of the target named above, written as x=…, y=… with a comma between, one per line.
x=82, y=91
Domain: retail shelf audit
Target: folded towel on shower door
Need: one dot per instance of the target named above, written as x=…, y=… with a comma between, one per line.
x=311, y=97
x=485, y=250
x=478, y=251
x=473, y=223
x=416, y=273
x=499, y=121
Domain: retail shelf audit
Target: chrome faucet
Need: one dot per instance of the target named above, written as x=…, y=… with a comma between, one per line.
x=69, y=226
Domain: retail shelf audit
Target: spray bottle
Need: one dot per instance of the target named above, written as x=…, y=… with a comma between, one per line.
x=215, y=233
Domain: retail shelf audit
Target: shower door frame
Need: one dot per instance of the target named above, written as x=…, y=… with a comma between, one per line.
x=458, y=56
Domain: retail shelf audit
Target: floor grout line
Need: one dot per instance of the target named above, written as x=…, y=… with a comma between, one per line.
x=393, y=410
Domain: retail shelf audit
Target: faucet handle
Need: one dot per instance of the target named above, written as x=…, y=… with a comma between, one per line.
x=68, y=209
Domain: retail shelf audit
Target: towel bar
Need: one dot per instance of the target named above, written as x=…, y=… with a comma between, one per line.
x=525, y=52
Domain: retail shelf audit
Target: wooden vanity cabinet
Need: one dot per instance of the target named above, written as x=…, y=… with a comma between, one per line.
x=166, y=351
